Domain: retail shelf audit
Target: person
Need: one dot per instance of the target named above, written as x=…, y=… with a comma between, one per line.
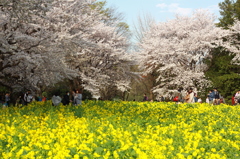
x=237, y=97
x=189, y=98
x=7, y=99
x=207, y=100
x=221, y=100
x=181, y=97
x=233, y=100
x=216, y=97
x=162, y=99
x=39, y=98
x=145, y=98
x=66, y=99
x=56, y=100
x=73, y=97
x=199, y=100
x=44, y=99
x=27, y=97
x=78, y=97
x=210, y=97
x=176, y=99
x=195, y=97
x=30, y=98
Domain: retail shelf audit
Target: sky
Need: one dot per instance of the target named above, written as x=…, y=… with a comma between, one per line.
x=161, y=10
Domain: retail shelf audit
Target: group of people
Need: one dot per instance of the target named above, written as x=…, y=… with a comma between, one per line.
x=214, y=97
x=75, y=98
x=21, y=100
x=191, y=97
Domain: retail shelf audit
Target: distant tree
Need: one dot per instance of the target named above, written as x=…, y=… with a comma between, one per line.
x=177, y=48
x=223, y=73
x=234, y=40
x=230, y=17
x=142, y=25
x=143, y=83
x=229, y=11
x=112, y=17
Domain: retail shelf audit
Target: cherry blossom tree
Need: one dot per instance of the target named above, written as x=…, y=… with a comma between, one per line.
x=234, y=40
x=93, y=45
x=55, y=40
x=177, y=49
x=96, y=50
x=29, y=50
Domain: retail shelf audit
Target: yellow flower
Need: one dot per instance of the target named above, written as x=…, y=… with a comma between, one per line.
x=76, y=156
x=202, y=149
x=106, y=156
x=180, y=156
x=96, y=155
x=30, y=155
x=213, y=149
x=50, y=153
x=194, y=153
x=115, y=154
x=189, y=157
x=19, y=153
x=85, y=157
x=7, y=155
x=125, y=147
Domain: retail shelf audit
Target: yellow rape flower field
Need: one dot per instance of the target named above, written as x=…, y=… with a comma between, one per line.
x=124, y=130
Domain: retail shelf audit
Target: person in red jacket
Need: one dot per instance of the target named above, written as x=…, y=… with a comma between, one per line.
x=233, y=100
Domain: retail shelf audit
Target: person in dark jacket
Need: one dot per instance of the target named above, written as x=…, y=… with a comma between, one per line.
x=66, y=99
x=145, y=98
x=216, y=100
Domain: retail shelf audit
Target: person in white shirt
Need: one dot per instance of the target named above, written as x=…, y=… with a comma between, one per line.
x=237, y=97
x=199, y=100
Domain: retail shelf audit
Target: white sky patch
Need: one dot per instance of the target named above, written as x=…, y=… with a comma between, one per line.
x=161, y=5
x=174, y=8
x=213, y=8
